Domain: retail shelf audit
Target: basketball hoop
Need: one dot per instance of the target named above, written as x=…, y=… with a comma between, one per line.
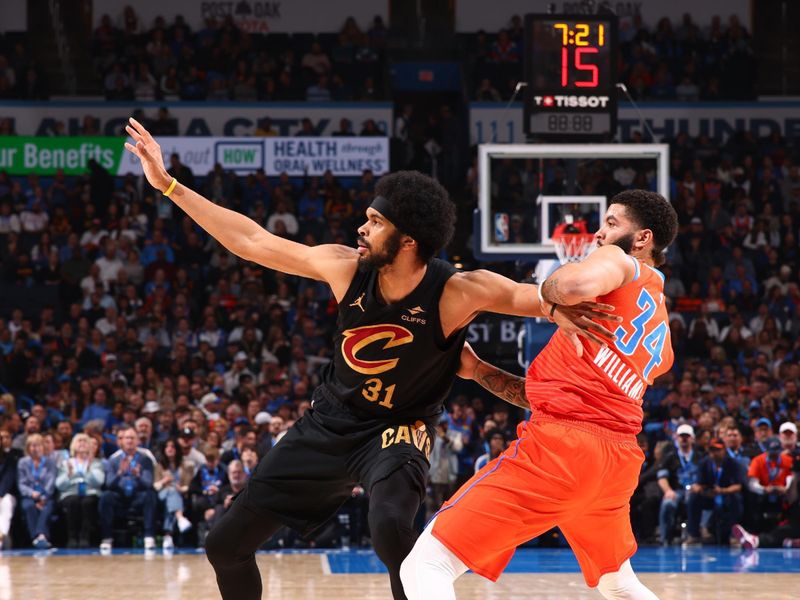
x=572, y=247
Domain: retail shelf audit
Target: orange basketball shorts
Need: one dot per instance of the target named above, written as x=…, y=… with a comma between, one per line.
x=573, y=475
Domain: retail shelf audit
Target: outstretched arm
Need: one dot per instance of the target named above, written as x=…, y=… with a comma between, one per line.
x=600, y=273
x=469, y=293
x=241, y=235
x=509, y=388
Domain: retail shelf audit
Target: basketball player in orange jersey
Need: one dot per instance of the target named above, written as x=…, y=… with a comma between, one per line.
x=576, y=462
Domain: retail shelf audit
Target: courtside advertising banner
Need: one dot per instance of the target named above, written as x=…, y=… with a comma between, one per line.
x=223, y=119
x=253, y=16
x=498, y=123
x=343, y=156
x=472, y=15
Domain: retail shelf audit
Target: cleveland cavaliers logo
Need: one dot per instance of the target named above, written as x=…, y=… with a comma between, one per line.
x=359, y=338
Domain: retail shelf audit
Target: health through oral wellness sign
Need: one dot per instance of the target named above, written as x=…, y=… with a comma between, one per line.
x=343, y=156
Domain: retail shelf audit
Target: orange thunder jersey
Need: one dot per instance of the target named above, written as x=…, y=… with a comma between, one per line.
x=605, y=386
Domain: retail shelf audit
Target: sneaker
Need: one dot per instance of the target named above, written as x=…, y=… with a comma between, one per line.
x=41, y=543
x=692, y=542
x=791, y=543
x=184, y=524
x=149, y=543
x=747, y=540
x=106, y=546
x=167, y=543
x=706, y=536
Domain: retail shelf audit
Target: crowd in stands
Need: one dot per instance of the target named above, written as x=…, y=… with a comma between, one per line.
x=169, y=61
x=666, y=61
x=134, y=60
x=20, y=77
x=146, y=370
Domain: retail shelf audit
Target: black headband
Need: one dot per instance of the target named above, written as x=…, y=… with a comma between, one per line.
x=383, y=206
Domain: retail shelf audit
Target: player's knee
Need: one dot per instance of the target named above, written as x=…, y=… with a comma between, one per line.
x=219, y=550
x=391, y=538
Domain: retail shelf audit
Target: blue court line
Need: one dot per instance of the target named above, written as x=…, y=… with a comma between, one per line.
x=646, y=560
x=526, y=560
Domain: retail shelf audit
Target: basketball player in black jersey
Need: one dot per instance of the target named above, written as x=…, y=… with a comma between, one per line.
x=401, y=329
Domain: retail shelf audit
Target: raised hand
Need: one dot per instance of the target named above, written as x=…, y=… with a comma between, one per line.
x=577, y=321
x=149, y=152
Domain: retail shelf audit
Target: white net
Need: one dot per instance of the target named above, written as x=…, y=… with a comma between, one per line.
x=573, y=247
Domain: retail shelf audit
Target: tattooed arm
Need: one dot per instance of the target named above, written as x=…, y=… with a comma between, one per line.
x=507, y=387
x=603, y=271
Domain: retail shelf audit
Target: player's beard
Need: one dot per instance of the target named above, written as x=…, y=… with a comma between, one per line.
x=625, y=242
x=376, y=260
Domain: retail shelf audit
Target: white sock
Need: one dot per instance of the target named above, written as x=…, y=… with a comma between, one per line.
x=624, y=585
x=7, y=504
x=430, y=570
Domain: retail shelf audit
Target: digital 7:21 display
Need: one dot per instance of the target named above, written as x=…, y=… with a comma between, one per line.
x=570, y=68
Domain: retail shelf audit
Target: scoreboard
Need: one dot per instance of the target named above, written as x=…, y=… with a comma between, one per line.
x=571, y=71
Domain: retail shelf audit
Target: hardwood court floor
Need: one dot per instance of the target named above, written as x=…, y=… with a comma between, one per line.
x=307, y=576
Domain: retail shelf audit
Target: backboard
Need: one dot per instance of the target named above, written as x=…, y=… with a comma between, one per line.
x=526, y=191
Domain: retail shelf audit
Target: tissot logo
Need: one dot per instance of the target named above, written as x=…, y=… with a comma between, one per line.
x=571, y=101
x=355, y=340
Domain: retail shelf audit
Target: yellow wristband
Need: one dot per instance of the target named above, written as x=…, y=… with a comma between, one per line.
x=171, y=187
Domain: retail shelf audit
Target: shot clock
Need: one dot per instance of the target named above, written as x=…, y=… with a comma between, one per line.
x=570, y=67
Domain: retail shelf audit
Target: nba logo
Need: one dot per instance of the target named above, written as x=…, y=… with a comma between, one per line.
x=501, y=227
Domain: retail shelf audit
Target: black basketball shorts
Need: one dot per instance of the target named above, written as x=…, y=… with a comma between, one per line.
x=312, y=470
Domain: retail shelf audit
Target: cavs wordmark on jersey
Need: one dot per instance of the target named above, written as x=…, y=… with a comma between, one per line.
x=391, y=361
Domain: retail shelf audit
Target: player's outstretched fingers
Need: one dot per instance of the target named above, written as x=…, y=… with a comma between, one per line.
x=577, y=343
x=137, y=137
x=593, y=327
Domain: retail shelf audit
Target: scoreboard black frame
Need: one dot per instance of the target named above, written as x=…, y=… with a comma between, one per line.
x=571, y=72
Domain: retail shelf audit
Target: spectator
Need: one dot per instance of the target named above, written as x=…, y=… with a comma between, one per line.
x=486, y=92
x=316, y=60
x=497, y=442
x=676, y=474
x=32, y=427
x=172, y=478
x=718, y=489
x=180, y=171
x=763, y=433
x=647, y=496
x=504, y=49
x=281, y=215
x=768, y=476
x=79, y=483
x=236, y=480
x=785, y=534
x=788, y=436
x=205, y=487
x=36, y=477
x=244, y=437
x=129, y=486
x=444, y=462
x=8, y=485
x=319, y=91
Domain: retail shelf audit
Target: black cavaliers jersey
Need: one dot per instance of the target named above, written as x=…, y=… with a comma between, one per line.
x=391, y=361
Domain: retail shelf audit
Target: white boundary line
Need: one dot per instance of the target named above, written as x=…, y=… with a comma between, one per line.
x=325, y=563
